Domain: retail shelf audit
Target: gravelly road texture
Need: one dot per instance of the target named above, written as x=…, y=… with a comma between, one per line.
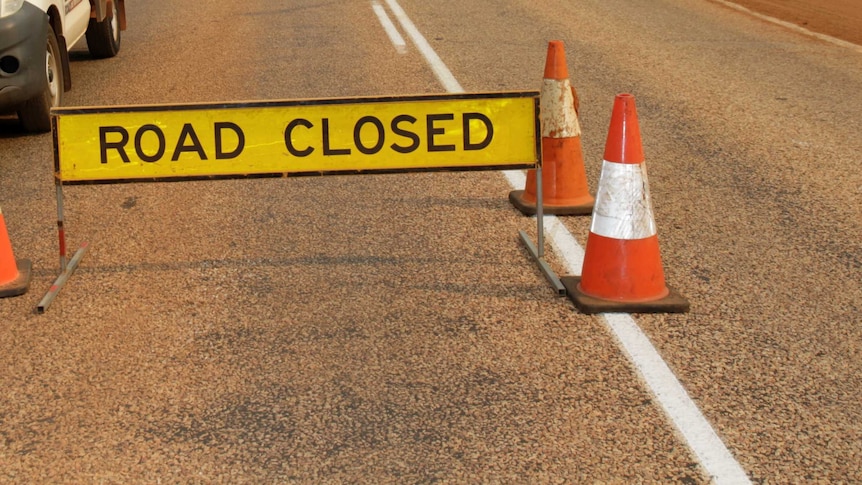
x=392, y=328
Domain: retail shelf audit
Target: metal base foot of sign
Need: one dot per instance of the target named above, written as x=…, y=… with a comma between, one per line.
x=61, y=280
x=538, y=251
x=543, y=265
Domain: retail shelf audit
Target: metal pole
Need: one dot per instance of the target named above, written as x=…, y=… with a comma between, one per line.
x=61, y=280
x=540, y=213
x=538, y=253
x=543, y=265
x=61, y=232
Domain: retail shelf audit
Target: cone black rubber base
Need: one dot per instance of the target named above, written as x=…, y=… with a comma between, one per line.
x=20, y=285
x=672, y=303
x=516, y=197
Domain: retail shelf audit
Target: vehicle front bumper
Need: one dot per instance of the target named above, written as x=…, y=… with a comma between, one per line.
x=22, y=56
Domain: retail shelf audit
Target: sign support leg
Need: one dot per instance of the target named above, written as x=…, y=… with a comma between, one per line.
x=65, y=270
x=539, y=253
x=61, y=232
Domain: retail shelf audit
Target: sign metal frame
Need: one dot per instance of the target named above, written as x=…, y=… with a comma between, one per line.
x=66, y=270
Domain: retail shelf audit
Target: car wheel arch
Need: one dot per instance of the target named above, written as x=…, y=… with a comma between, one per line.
x=56, y=22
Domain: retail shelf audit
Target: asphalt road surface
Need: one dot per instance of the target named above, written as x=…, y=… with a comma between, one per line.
x=392, y=328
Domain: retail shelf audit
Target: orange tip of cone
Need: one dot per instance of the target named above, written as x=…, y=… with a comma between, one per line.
x=555, y=64
x=624, y=135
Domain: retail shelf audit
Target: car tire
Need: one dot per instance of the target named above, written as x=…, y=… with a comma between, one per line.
x=35, y=114
x=103, y=38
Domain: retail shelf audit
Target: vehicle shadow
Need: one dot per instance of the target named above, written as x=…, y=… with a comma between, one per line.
x=11, y=128
x=81, y=55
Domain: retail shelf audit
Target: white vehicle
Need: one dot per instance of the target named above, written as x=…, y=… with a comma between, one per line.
x=35, y=38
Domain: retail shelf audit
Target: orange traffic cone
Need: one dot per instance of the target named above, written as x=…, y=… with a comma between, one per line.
x=622, y=265
x=564, y=180
x=14, y=274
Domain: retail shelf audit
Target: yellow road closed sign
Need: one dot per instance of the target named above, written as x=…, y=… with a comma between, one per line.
x=489, y=131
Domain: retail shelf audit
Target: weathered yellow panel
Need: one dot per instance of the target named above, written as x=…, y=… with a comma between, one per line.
x=328, y=136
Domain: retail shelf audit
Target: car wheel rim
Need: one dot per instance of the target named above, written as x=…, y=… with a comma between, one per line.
x=115, y=23
x=53, y=81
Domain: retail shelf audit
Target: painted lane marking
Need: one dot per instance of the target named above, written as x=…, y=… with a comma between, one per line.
x=444, y=75
x=683, y=413
x=715, y=458
x=389, y=28
x=792, y=26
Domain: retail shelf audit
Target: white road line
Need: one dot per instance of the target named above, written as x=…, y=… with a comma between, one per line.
x=714, y=456
x=440, y=70
x=689, y=421
x=389, y=28
x=792, y=26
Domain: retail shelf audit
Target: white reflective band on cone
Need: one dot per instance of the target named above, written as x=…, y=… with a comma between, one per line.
x=623, y=209
x=557, y=103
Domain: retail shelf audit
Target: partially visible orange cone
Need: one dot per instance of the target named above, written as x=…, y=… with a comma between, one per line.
x=564, y=179
x=14, y=274
x=622, y=266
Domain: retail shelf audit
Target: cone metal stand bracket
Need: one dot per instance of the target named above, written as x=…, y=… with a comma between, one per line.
x=66, y=270
x=538, y=251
